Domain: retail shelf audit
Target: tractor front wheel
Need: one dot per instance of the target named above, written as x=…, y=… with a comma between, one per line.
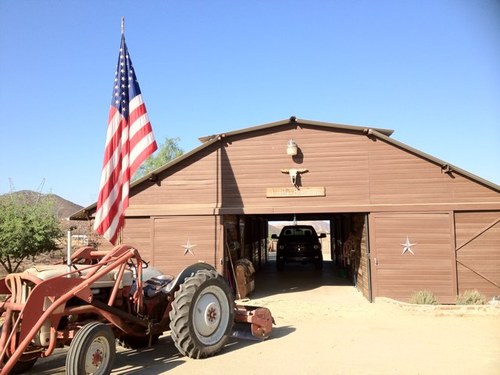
x=202, y=315
x=92, y=351
x=23, y=364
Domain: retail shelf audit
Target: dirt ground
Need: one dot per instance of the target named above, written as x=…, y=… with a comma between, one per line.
x=323, y=325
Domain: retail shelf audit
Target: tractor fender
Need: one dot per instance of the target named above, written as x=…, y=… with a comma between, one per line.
x=187, y=272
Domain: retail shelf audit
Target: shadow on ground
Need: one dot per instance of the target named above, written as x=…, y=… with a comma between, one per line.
x=158, y=359
x=296, y=277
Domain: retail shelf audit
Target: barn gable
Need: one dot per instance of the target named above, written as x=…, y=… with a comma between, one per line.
x=357, y=168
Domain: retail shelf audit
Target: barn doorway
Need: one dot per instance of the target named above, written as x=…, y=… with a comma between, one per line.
x=345, y=247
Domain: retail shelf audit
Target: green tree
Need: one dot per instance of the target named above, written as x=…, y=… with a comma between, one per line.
x=28, y=227
x=166, y=152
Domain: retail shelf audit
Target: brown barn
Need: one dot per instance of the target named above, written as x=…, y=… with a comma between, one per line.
x=400, y=220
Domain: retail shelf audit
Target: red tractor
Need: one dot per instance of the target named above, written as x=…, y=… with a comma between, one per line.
x=100, y=298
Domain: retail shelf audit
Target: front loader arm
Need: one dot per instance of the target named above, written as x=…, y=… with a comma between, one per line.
x=48, y=299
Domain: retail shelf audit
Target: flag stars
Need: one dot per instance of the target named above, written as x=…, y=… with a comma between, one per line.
x=125, y=82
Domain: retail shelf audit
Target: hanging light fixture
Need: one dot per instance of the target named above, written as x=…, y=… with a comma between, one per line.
x=291, y=148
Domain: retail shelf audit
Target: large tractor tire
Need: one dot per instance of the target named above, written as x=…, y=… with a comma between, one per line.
x=92, y=351
x=202, y=315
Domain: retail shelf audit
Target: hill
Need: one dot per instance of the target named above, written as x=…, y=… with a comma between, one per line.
x=62, y=207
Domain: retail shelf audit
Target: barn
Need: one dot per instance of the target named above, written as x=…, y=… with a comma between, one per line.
x=400, y=220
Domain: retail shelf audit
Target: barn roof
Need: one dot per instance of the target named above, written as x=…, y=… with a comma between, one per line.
x=293, y=120
x=382, y=134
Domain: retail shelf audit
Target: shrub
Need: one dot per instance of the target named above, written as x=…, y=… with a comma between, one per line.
x=423, y=297
x=28, y=227
x=471, y=297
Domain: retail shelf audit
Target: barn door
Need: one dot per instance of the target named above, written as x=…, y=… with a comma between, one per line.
x=412, y=252
x=478, y=252
x=361, y=256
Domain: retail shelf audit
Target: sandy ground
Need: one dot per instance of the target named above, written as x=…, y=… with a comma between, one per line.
x=323, y=325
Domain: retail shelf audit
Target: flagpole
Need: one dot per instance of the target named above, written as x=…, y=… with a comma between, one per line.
x=120, y=231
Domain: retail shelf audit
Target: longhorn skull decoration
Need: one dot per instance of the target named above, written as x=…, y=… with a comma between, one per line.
x=293, y=173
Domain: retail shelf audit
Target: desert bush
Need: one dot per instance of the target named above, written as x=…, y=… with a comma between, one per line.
x=423, y=297
x=28, y=227
x=471, y=297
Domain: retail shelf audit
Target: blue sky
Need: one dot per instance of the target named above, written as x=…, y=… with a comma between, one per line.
x=429, y=69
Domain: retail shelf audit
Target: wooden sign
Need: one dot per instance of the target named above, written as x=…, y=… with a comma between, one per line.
x=293, y=192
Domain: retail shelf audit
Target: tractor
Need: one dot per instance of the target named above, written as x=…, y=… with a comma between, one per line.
x=100, y=298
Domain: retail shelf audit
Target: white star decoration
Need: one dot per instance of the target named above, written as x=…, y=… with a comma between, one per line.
x=188, y=248
x=407, y=246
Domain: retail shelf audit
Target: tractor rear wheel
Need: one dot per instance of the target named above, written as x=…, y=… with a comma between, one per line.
x=202, y=315
x=92, y=350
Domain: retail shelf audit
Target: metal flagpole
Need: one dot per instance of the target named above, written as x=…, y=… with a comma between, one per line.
x=120, y=233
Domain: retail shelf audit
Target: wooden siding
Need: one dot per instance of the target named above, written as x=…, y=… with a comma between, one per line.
x=191, y=186
x=139, y=233
x=399, y=177
x=431, y=267
x=478, y=251
x=337, y=161
x=359, y=174
x=171, y=235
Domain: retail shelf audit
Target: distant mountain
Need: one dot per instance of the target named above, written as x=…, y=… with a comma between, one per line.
x=63, y=208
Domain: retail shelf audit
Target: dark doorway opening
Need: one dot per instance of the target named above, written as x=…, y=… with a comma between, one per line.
x=345, y=247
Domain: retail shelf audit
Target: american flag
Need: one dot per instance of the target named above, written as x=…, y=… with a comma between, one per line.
x=129, y=141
